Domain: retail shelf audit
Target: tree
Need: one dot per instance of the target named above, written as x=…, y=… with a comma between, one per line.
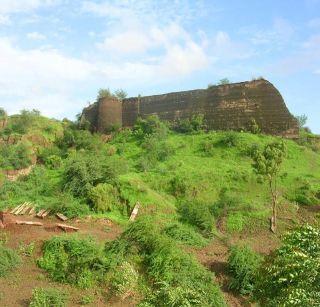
x=224, y=81
x=302, y=120
x=3, y=113
x=267, y=163
x=121, y=94
x=103, y=93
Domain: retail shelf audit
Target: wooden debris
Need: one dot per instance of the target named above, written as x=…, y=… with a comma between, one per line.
x=29, y=223
x=67, y=228
x=32, y=211
x=134, y=212
x=16, y=209
x=39, y=214
x=61, y=217
x=45, y=213
x=26, y=209
x=19, y=209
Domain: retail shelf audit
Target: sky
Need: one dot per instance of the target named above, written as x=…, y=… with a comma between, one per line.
x=56, y=54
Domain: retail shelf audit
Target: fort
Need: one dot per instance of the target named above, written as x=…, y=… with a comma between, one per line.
x=225, y=107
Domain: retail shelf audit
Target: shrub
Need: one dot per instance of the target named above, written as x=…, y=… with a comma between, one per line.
x=48, y=298
x=124, y=282
x=68, y=205
x=291, y=275
x=243, y=264
x=70, y=259
x=235, y=222
x=150, y=126
x=9, y=260
x=178, y=186
x=53, y=162
x=184, y=234
x=104, y=197
x=190, y=125
x=197, y=214
x=176, y=277
x=230, y=139
x=253, y=127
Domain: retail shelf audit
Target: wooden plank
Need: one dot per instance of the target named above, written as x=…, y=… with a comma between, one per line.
x=45, y=213
x=25, y=210
x=16, y=208
x=39, y=214
x=32, y=211
x=20, y=209
x=61, y=217
x=29, y=223
x=134, y=212
x=67, y=228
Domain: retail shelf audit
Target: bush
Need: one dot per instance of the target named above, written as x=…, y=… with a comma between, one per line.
x=9, y=260
x=230, y=139
x=291, y=275
x=48, y=298
x=243, y=264
x=176, y=277
x=235, y=222
x=124, y=282
x=190, y=125
x=69, y=259
x=68, y=205
x=178, y=186
x=197, y=214
x=104, y=197
x=15, y=156
x=185, y=234
x=151, y=125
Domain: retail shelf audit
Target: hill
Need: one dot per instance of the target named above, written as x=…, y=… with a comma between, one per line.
x=198, y=193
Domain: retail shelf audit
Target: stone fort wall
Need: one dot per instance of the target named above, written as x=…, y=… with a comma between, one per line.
x=225, y=107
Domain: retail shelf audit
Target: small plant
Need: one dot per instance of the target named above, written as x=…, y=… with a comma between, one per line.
x=87, y=299
x=26, y=249
x=104, y=197
x=254, y=127
x=3, y=238
x=48, y=298
x=190, y=125
x=235, y=222
x=185, y=234
x=197, y=214
x=230, y=139
x=124, y=282
x=243, y=264
x=9, y=260
x=267, y=163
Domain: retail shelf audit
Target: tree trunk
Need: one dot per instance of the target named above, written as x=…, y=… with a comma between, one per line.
x=273, y=219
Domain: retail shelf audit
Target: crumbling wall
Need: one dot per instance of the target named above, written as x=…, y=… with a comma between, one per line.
x=225, y=107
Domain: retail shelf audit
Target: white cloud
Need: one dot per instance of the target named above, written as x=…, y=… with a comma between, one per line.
x=36, y=36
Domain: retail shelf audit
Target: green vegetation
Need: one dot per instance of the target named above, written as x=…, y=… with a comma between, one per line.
x=243, y=264
x=48, y=298
x=195, y=188
x=291, y=275
x=9, y=260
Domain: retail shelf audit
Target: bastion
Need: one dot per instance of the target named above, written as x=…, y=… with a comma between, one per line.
x=224, y=107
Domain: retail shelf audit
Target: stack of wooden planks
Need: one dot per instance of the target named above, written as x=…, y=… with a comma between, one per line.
x=25, y=208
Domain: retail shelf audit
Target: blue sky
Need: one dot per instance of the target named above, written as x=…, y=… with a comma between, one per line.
x=56, y=54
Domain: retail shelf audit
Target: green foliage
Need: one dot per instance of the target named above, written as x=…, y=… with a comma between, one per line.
x=104, y=197
x=230, y=139
x=224, y=81
x=3, y=113
x=291, y=275
x=150, y=125
x=306, y=193
x=185, y=234
x=83, y=172
x=87, y=299
x=176, y=277
x=197, y=214
x=124, y=281
x=49, y=297
x=9, y=260
x=190, y=125
x=235, y=222
x=69, y=259
x=243, y=264
x=15, y=156
x=121, y=94
x=22, y=123
x=178, y=186
x=254, y=127
x=103, y=93
x=27, y=249
x=302, y=120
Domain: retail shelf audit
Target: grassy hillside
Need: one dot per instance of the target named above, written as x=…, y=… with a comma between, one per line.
x=194, y=188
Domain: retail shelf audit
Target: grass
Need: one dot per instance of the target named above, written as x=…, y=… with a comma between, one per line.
x=49, y=297
x=9, y=260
